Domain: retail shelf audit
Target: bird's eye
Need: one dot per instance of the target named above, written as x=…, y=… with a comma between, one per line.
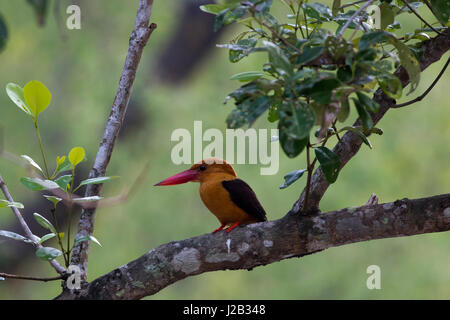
x=202, y=168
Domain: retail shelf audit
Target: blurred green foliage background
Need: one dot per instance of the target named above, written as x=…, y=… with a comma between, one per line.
x=411, y=160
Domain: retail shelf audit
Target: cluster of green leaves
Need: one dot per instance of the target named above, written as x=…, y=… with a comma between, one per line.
x=33, y=99
x=313, y=75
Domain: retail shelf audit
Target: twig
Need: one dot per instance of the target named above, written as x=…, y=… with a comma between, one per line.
x=349, y=21
x=138, y=39
x=25, y=227
x=14, y=276
x=419, y=16
x=419, y=98
x=351, y=4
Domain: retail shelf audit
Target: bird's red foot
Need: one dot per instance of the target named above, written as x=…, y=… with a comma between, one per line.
x=219, y=228
x=232, y=227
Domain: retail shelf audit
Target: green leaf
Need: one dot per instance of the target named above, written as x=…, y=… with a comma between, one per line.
x=44, y=222
x=96, y=180
x=213, y=8
x=3, y=33
x=335, y=7
x=87, y=199
x=48, y=253
x=53, y=199
x=31, y=162
x=363, y=114
x=441, y=9
x=322, y=90
x=228, y=15
x=63, y=181
x=37, y=97
x=247, y=76
x=407, y=58
x=337, y=46
x=318, y=11
x=14, y=236
x=76, y=155
x=15, y=93
x=6, y=203
x=370, y=104
x=359, y=133
x=409, y=62
x=272, y=115
x=329, y=162
x=36, y=184
x=278, y=59
x=298, y=119
x=345, y=73
x=86, y=238
x=291, y=177
x=387, y=15
x=309, y=54
x=62, y=164
x=248, y=111
x=291, y=146
x=240, y=49
x=47, y=237
x=391, y=85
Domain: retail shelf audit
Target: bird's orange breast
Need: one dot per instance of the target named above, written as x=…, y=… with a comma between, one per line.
x=217, y=199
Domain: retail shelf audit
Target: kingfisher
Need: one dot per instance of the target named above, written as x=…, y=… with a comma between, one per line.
x=229, y=198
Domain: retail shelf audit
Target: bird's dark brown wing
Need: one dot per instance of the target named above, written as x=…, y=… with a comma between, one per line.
x=244, y=197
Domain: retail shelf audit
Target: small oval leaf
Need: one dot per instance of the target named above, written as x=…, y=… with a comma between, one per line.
x=76, y=155
x=291, y=177
x=31, y=162
x=37, y=96
x=15, y=93
x=44, y=222
x=329, y=162
x=48, y=253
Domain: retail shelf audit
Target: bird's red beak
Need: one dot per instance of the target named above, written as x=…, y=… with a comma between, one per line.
x=179, y=178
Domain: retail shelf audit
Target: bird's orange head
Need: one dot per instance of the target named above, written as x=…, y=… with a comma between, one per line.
x=211, y=168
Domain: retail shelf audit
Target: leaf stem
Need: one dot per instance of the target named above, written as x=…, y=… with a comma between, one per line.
x=70, y=213
x=41, y=147
x=66, y=258
x=297, y=26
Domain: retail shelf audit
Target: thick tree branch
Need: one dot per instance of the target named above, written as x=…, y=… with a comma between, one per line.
x=263, y=243
x=349, y=144
x=138, y=40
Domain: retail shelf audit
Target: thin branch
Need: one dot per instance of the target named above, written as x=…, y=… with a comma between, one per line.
x=25, y=227
x=14, y=276
x=351, y=4
x=423, y=95
x=419, y=16
x=263, y=243
x=357, y=13
x=138, y=40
